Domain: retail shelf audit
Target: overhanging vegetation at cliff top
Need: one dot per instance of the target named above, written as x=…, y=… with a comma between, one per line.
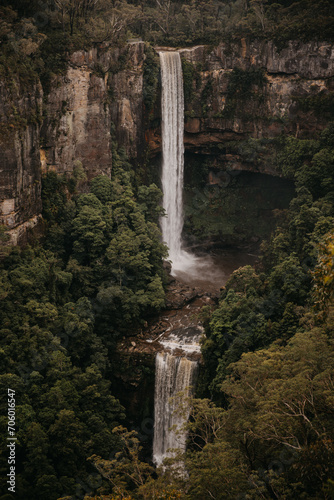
x=170, y=22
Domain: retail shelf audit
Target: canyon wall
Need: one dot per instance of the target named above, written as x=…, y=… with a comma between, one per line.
x=101, y=99
x=100, y=95
x=20, y=172
x=248, y=90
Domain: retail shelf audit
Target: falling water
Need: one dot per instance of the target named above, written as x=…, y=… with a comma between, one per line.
x=172, y=106
x=172, y=376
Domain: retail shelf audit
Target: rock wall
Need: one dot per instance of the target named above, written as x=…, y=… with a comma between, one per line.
x=100, y=94
x=294, y=73
x=98, y=100
x=20, y=178
x=240, y=98
x=101, y=99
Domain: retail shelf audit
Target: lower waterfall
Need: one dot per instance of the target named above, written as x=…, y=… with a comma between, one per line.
x=172, y=375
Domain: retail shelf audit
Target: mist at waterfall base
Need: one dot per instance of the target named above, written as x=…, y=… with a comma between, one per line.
x=207, y=272
x=211, y=272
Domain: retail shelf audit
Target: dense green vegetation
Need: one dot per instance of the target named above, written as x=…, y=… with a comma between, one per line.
x=37, y=37
x=266, y=429
x=261, y=307
x=63, y=307
x=185, y=22
x=262, y=423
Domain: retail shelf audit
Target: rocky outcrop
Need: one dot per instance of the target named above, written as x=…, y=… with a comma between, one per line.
x=98, y=100
x=133, y=382
x=20, y=176
x=77, y=126
x=100, y=94
x=308, y=60
x=217, y=119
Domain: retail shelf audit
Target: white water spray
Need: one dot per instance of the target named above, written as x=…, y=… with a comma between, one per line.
x=172, y=107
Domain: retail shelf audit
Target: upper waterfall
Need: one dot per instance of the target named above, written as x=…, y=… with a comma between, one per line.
x=172, y=108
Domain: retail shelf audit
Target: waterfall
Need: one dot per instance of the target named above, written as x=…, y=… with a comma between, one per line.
x=172, y=109
x=172, y=375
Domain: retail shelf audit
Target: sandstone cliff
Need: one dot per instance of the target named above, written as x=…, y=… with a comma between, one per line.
x=101, y=99
x=266, y=109
x=101, y=93
x=20, y=177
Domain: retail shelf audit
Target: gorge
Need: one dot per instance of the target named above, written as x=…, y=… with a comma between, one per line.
x=85, y=108
x=216, y=358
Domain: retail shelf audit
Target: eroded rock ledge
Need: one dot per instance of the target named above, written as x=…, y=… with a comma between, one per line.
x=296, y=72
x=179, y=319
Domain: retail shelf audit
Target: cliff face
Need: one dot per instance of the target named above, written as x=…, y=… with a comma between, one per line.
x=240, y=98
x=77, y=126
x=101, y=93
x=252, y=90
x=101, y=98
x=20, y=178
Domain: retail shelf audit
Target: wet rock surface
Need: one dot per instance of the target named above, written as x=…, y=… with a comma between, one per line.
x=180, y=320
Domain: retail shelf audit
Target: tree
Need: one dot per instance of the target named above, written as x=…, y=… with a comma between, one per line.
x=70, y=7
x=216, y=472
x=279, y=395
x=126, y=471
x=88, y=232
x=258, y=7
x=323, y=274
x=165, y=8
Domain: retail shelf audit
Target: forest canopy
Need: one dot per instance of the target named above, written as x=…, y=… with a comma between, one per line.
x=261, y=425
x=175, y=22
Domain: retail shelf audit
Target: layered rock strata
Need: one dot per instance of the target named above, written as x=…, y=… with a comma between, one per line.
x=101, y=99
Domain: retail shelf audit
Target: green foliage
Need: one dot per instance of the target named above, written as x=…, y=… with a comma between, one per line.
x=257, y=309
x=150, y=78
x=101, y=187
x=125, y=471
x=54, y=196
x=58, y=404
x=112, y=247
x=206, y=96
x=317, y=176
x=242, y=83
x=244, y=86
x=149, y=199
x=323, y=274
x=217, y=468
x=63, y=308
x=100, y=273
x=321, y=104
x=72, y=25
x=294, y=153
x=188, y=72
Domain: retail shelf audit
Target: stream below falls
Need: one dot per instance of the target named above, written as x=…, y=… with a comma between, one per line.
x=173, y=338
